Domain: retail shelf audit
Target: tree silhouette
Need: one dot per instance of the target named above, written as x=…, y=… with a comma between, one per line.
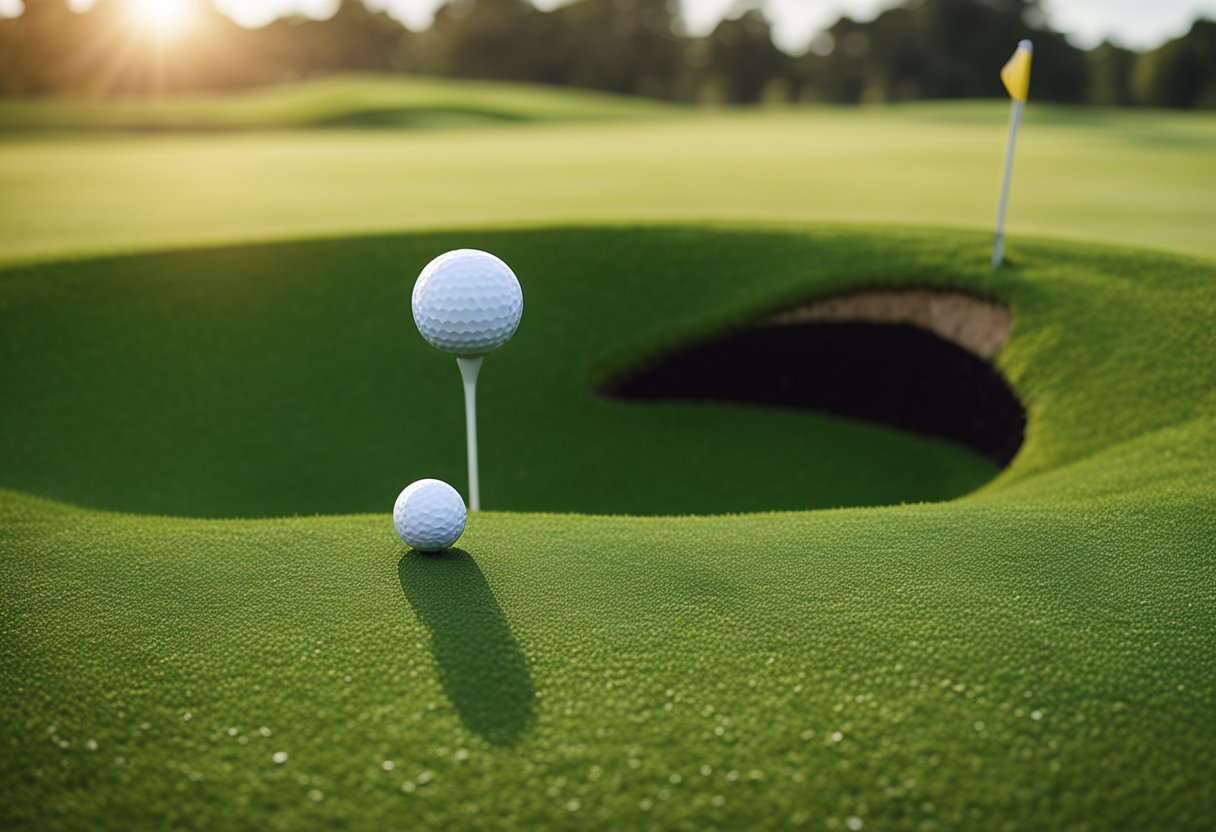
x=920, y=49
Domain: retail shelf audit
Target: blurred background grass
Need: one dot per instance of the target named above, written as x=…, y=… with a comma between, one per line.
x=133, y=124
x=351, y=100
x=1136, y=177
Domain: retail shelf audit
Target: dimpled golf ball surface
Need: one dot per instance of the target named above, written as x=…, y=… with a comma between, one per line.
x=429, y=515
x=467, y=303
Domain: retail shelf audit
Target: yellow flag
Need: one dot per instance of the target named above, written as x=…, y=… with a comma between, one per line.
x=1016, y=73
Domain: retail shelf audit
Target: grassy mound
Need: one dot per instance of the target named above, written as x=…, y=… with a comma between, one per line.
x=1038, y=654
x=287, y=379
x=336, y=101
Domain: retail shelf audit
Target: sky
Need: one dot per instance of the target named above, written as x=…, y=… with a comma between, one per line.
x=1137, y=24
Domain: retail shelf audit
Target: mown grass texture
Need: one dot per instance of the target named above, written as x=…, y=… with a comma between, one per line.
x=290, y=379
x=1038, y=654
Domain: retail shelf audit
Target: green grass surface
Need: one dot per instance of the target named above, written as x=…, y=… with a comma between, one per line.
x=343, y=100
x=1036, y=655
x=290, y=378
x=1136, y=178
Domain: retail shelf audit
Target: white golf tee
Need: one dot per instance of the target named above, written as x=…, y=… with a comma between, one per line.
x=469, y=369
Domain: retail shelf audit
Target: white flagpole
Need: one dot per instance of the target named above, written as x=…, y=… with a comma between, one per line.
x=1015, y=121
x=469, y=368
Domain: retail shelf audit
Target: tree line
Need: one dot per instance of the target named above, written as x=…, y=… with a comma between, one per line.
x=920, y=49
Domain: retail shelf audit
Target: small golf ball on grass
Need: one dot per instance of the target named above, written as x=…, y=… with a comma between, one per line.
x=429, y=515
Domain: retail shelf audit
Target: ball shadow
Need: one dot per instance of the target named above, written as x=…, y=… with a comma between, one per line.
x=481, y=667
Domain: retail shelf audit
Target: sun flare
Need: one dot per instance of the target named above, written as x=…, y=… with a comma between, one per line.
x=165, y=17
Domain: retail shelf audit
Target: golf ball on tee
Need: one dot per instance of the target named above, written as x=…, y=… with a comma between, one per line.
x=467, y=303
x=429, y=515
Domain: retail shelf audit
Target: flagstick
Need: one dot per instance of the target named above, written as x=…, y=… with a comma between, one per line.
x=1015, y=75
x=469, y=368
x=1015, y=120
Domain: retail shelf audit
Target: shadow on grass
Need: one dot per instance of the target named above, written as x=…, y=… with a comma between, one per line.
x=480, y=664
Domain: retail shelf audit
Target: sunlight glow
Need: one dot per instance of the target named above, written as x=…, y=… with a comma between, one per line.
x=1137, y=24
x=165, y=17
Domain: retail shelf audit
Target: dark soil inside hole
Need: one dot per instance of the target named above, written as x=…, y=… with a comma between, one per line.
x=897, y=375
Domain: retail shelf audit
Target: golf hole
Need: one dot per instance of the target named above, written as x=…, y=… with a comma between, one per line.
x=915, y=360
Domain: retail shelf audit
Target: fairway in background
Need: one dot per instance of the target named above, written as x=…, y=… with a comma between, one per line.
x=1135, y=177
x=334, y=101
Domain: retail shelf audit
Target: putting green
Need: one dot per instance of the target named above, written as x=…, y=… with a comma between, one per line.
x=289, y=379
x=1036, y=654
